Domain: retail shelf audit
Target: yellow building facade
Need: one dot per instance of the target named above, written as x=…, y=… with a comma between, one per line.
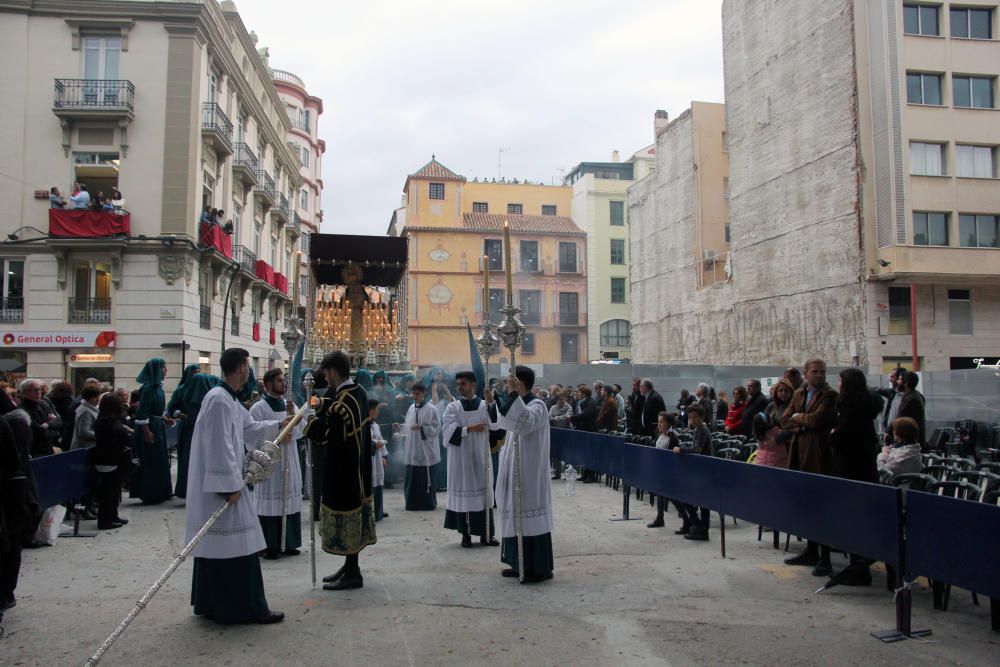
x=452, y=225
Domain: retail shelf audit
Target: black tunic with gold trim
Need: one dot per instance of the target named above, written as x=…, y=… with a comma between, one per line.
x=340, y=426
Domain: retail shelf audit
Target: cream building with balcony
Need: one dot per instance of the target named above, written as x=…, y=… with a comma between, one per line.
x=863, y=195
x=598, y=207
x=172, y=105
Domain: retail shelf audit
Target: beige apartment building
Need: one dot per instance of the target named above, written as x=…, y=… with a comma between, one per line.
x=171, y=105
x=863, y=194
x=598, y=207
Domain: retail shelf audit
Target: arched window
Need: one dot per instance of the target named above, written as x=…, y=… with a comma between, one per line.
x=615, y=333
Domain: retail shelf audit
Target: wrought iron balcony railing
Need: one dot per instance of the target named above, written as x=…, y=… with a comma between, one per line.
x=245, y=159
x=89, y=311
x=12, y=310
x=94, y=95
x=246, y=258
x=265, y=184
x=215, y=121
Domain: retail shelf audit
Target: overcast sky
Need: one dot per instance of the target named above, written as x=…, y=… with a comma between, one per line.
x=556, y=82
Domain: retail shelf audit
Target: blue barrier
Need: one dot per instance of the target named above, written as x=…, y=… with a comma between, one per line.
x=854, y=516
x=953, y=541
x=61, y=477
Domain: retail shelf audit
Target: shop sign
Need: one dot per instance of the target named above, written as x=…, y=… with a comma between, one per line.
x=57, y=339
x=90, y=358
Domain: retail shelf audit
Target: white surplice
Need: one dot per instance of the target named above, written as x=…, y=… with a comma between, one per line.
x=529, y=423
x=378, y=468
x=223, y=433
x=469, y=464
x=268, y=492
x=421, y=446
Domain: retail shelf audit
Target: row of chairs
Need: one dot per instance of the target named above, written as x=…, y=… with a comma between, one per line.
x=955, y=477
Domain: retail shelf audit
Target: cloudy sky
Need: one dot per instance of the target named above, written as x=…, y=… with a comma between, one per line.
x=555, y=82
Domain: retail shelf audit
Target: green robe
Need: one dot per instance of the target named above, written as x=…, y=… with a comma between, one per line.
x=152, y=479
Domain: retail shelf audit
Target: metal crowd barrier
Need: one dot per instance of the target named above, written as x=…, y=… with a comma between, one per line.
x=950, y=541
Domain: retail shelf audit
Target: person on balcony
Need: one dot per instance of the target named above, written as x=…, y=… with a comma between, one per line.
x=80, y=200
x=56, y=200
x=97, y=203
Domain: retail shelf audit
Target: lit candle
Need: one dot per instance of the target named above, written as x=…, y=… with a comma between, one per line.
x=506, y=259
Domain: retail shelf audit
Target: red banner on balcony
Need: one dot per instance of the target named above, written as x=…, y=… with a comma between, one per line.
x=84, y=223
x=280, y=283
x=272, y=338
x=264, y=271
x=213, y=236
x=256, y=331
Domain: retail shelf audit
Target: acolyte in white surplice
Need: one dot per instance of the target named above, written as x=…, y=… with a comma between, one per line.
x=530, y=423
x=421, y=446
x=469, y=463
x=268, y=492
x=222, y=435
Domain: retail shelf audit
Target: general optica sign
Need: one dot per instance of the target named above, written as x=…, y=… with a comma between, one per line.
x=58, y=339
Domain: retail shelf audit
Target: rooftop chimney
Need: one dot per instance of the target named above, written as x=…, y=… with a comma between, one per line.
x=660, y=122
x=614, y=157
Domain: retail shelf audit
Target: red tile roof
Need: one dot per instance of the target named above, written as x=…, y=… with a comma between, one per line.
x=523, y=224
x=435, y=169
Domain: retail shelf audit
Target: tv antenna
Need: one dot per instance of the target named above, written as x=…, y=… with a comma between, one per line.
x=500, y=152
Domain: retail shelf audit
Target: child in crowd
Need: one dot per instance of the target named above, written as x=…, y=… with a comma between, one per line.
x=695, y=527
x=667, y=439
x=380, y=459
x=903, y=456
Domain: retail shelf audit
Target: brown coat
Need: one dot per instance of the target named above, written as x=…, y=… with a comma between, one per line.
x=807, y=451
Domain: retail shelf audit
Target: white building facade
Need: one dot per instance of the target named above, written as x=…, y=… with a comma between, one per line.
x=170, y=104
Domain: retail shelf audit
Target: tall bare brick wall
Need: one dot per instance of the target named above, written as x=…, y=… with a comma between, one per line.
x=796, y=290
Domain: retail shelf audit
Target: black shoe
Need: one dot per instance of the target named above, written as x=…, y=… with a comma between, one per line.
x=336, y=576
x=8, y=604
x=697, y=535
x=272, y=617
x=87, y=515
x=856, y=576
x=292, y=552
x=466, y=541
x=804, y=558
x=509, y=572
x=271, y=555
x=109, y=526
x=658, y=523
x=385, y=515
x=347, y=582
x=121, y=520
x=683, y=530
x=822, y=569
x=535, y=578
x=488, y=543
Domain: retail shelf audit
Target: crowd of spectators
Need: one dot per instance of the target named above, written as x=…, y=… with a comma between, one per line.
x=81, y=199
x=801, y=423
x=214, y=217
x=37, y=420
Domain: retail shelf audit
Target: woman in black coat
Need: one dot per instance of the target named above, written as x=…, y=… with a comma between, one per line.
x=853, y=450
x=111, y=453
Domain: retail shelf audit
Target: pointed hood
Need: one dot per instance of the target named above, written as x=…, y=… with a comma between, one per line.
x=152, y=373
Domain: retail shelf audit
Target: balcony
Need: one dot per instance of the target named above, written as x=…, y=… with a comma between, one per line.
x=296, y=226
x=245, y=164
x=936, y=264
x=246, y=258
x=89, y=311
x=87, y=224
x=216, y=128
x=213, y=236
x=205, y=321
x=12, y=310
x=280, y=212
x=94, y=98
x=287, y=77
x=569, y=319
x=265, y=188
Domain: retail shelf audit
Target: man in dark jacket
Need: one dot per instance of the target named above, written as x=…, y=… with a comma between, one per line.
x=633, y=408
x=912, y=404
x=892, y=394
x=755, y=404
x=18, y=507
x=41, y=418
x=652, y=406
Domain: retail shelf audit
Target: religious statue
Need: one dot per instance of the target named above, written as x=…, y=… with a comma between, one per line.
x=357, y=296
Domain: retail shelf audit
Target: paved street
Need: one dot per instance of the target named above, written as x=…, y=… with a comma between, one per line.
x=622, y=593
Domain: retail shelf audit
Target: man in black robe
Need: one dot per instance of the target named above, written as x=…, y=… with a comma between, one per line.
x=340, y=427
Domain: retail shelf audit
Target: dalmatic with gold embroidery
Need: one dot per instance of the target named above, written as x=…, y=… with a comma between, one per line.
x=347, y=518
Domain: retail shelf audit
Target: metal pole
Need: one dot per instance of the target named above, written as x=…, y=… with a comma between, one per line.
x=225, y=306
x=913, y=326
x=307, y=384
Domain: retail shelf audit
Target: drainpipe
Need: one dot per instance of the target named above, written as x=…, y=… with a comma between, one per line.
x=913, y=326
